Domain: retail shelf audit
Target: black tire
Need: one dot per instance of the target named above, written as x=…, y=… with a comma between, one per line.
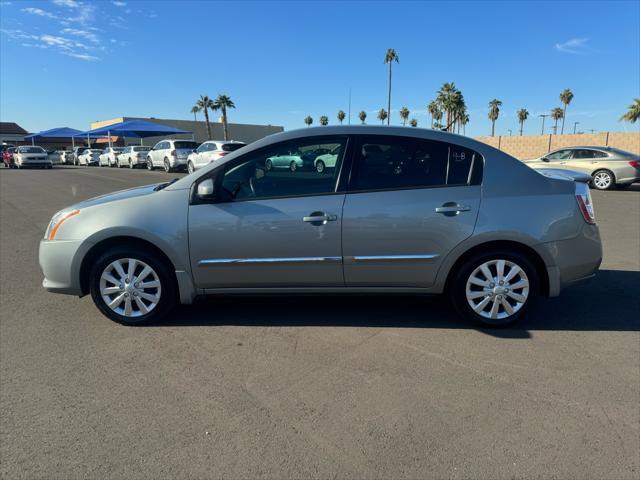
x=169, y=287
x=458, y=283
x=293, y=166
x=605, y=173
x=149, y=164
x=320, y=166
x=167, y=166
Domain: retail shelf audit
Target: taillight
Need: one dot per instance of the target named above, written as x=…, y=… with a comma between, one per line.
x=222, y=154
x=583, y=197
x=635, y=164
x=173, y=153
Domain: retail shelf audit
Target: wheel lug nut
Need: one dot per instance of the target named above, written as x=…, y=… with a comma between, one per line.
x=121, y=286
x=136, y=284
x=501, y=282
x=492, y=285
x=126, y=294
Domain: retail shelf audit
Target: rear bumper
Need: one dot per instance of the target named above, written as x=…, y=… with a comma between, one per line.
x=575, y=260
x=178, y=162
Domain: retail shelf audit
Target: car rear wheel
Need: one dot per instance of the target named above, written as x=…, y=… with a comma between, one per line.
x=603, y=180
x=130, y=164
x=167, y=165
x=494, y=289
x=320, y=166
x=131, y=286
x=268, y=166
x=293, y=166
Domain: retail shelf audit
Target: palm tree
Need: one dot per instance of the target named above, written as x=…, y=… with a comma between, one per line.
x=362, y=116
x=565, y=97
x=557, y=113
x=404, y=115
x=390, y=57
x=324, y=120
x=433, y=108
x=195, y=110
x=413, y=122
x=437, y=116
x=308, y=120
x=382, y=115
x=341, y=116
x=494, y=112
x=634, y=112
x=523, y=114
x=438, y=126
x=464, y=119
x=222, y=103
x=205, y=104
x=449, y=99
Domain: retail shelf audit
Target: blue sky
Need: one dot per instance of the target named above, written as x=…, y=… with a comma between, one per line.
x=71, y=62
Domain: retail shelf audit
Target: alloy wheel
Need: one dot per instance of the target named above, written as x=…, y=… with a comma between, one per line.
x=130, y=287
x=602, y=180
x=497, y=289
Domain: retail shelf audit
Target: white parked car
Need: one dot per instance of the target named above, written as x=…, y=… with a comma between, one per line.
x=132, y=156
x=56, y=157
x=27, y=156
x=210, y=151
x=91, y=156
x=109, y=156
x=328, y=160
x=170, y=154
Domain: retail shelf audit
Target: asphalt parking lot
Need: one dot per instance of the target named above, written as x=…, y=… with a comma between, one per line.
x=384, y=387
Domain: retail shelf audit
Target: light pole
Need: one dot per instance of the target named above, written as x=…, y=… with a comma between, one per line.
x=543, y=115
x=574, y=127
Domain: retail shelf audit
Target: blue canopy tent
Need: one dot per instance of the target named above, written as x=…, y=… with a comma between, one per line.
x=133, y=128
x=61, y=132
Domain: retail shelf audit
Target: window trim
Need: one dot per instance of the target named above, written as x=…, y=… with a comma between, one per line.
x=476, y=169
x=217, y=178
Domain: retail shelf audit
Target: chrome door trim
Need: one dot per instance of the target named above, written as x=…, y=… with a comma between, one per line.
x=390, y=258
x=227, y=261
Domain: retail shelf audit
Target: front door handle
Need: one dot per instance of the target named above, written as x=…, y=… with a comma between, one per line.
x=451, y=208
x=319, y=218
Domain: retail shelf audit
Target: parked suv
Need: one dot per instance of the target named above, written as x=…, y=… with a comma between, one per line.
x=211, y=151
x=403, y=210
x=170, y=154
x=133, y=156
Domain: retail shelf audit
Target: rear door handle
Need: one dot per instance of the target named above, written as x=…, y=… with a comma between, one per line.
x=447, y=208
x=319, y=218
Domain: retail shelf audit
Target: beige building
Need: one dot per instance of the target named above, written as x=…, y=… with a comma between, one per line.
x=528, y=147
x=237, y=131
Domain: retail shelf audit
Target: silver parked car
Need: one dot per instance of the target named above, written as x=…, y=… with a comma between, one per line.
x=608, y=167
x=404, y=210
x=133, y=156
x=170, y=154
x=30, y=156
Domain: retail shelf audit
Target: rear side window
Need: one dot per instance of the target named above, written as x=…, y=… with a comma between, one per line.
x=397, y=163
x=231, y=147
x=585, y=154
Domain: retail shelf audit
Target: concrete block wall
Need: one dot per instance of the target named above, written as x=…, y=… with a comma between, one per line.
x=527, y=147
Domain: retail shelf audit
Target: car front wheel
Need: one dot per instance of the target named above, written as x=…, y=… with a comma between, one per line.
x=131, y=286
x=603, y=180
x=494, y=289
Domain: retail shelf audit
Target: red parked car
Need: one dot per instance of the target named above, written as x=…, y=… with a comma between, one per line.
x=7, y=156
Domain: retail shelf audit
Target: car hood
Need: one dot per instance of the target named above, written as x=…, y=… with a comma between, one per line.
x=564, y=174
x=120, y=195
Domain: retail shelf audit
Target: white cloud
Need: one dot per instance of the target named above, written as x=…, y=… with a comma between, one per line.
x=576, y=46
x=82, y=56
x=67, y=3
x=92, y=37
x=39, y=12
x=119, y=3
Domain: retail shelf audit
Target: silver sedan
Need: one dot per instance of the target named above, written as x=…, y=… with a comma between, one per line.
x=404, y=211
x=608, y=167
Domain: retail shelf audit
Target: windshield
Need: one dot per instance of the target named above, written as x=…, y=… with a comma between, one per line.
x=189, y=145
x=31, y=150
x=232, y=147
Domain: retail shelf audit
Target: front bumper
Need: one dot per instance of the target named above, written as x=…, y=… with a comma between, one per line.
x=60, y=263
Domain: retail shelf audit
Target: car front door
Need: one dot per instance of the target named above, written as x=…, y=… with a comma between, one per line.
x=275, y=228
x=409, y=203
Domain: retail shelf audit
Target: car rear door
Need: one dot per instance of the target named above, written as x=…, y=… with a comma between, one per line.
x=408, y=204
x=269, y=229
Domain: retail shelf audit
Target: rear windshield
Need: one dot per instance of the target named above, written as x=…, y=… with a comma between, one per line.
x=232, y=147
x=141, y=149
x=190, y=145
x=620, y=152
x=31, y=150
x=118, y=149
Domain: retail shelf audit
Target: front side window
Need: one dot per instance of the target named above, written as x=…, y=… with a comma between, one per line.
x=559, y=155
x=397, y=162
x=285, y=170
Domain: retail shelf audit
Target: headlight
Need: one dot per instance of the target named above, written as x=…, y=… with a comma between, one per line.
x=57, y=220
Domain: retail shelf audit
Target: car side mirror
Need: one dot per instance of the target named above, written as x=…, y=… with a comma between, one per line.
x=206, y=189
x=545, y=159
